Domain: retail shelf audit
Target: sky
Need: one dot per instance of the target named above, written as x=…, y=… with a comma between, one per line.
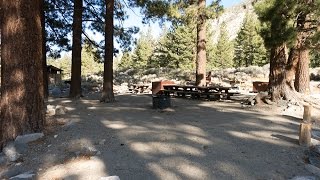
x=135, y=18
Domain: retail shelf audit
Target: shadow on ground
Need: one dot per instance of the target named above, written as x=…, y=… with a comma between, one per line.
x=193, y=140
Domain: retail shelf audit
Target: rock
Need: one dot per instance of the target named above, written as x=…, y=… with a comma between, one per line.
x=102, y=142
x=60, y=110
x=26, y=175
x=51, y=111
x=110, y=178
x=11, y=152
x=304, y=178
x=24, y=139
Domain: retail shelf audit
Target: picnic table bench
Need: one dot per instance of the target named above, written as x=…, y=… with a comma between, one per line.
x=138, y=88
x=198, y=91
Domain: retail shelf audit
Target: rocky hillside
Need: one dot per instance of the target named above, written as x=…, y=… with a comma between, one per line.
x=233, y=17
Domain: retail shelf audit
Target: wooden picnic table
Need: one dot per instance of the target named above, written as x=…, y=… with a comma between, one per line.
x=138, y=88
x=197, y=91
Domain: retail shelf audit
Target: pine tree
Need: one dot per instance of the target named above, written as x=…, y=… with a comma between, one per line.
x=22, y=94
x=249, y=45
x=107, y=92
x=315, y=58
x=285, y=26
x=185, y=11
x=143, y=51
x=224, y=49
x=90, y=63
x=176, y=48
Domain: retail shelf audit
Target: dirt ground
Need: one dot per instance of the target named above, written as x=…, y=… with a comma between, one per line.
x=194, y=139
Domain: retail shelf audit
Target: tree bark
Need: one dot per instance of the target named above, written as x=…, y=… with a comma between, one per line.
x=44, y=51
x=292, y=66
x=277, y=77
x=201, y=45
x=22, y=100
x=75, y=88
x=302, y=81
x=107, y=92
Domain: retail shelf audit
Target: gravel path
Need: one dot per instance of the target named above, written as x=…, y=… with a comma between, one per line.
x=192, y=140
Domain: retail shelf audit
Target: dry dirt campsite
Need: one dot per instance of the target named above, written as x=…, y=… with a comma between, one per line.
x=194, y=139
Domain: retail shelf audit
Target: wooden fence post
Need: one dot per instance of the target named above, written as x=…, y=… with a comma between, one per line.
x=305, y=127
x=307, y=113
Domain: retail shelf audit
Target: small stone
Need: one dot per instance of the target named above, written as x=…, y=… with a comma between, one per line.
x=110, y=178
x=304, y=178
x=102, y=142
x=51, y=112
x=60, y=110
x=11, y=153
x=49, y=145
x=55, y=136
x=24, y=139
x=26, y=175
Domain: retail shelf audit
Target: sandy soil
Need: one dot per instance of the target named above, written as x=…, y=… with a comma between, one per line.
x=192, y=140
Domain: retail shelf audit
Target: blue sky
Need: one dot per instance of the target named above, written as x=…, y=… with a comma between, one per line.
x=135, y=18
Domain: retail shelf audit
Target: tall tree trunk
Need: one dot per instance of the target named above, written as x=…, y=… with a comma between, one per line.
x=22, y=100
x=75, y=89
x=44, y=51
x=302, y=81
x=277, y=80
x=201, y=45
x=107, y=92
x=292, y=66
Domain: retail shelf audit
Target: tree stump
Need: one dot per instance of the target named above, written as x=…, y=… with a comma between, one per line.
x=307, y=113
x=305, y=134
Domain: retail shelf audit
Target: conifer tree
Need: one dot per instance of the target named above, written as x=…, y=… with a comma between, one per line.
x=144, y=50
x=249, y=45
x=182, y=11
x=224, y=53
x=22, y=95
x=284, y=25
x=177, y=48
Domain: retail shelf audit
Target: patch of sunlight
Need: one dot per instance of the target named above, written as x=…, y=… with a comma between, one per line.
x=161, y=172
x=70, y=108
x=66, y=101
x=263, y=136
x=191, y=129
x=141, y=147
x=92, y=108
x=191, y=171
x=115, y=124
x=81, y=169
x=153, y=148
x=198, y=140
